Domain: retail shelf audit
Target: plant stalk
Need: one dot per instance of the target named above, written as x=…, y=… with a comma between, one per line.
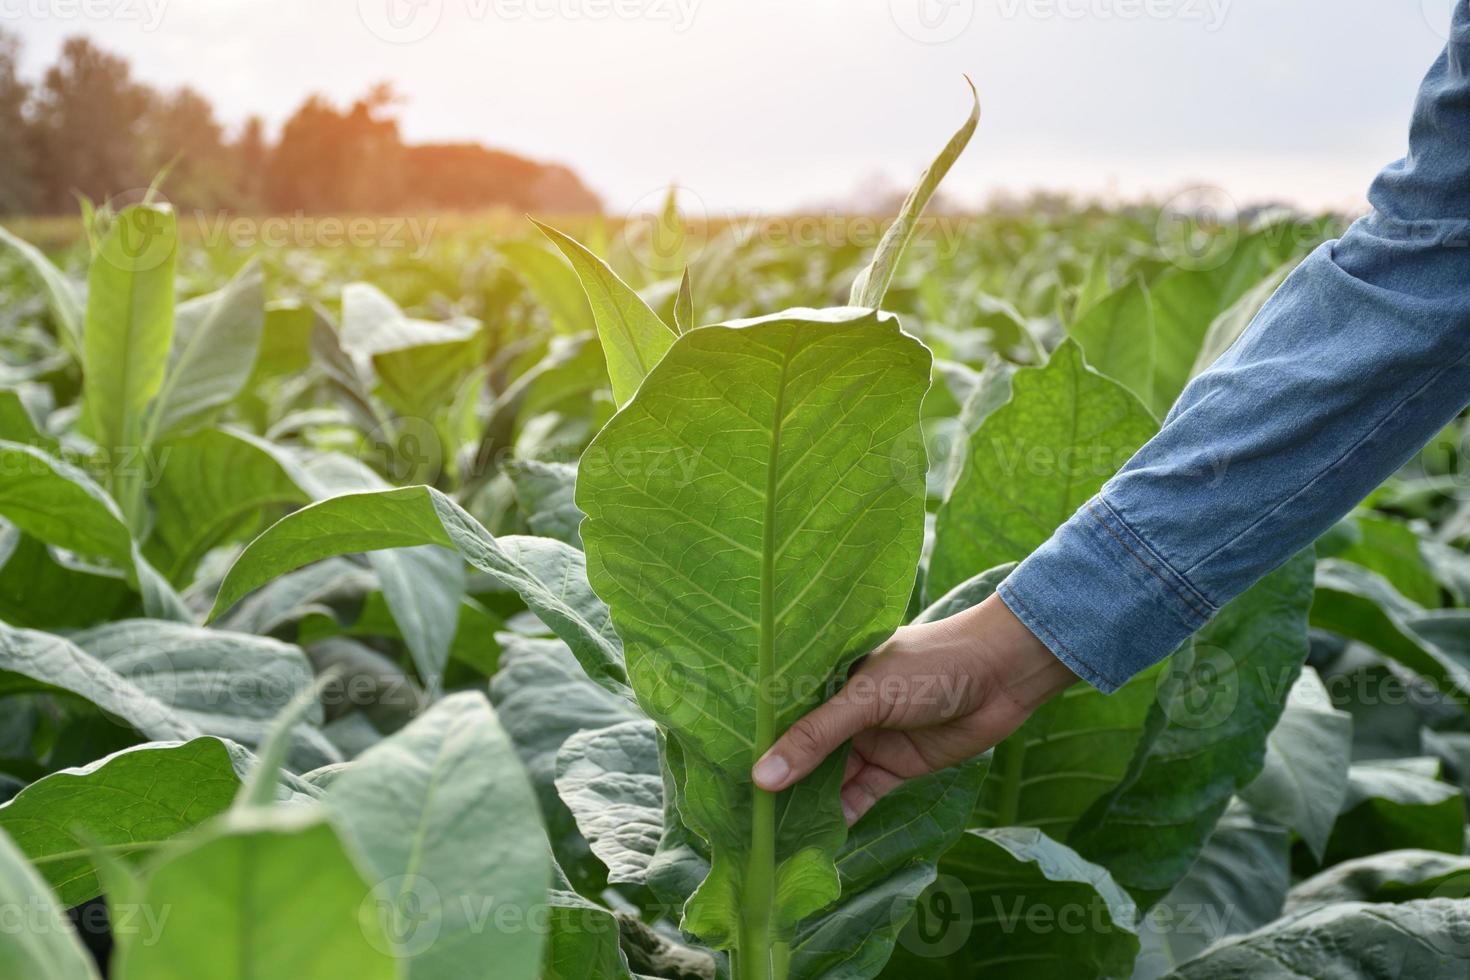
x=756, y=958
x=756, y=961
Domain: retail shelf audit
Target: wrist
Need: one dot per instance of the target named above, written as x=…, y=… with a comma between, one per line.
x=1025, y=670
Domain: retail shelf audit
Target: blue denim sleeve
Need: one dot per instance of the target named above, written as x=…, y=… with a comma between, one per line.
x=1359, y=359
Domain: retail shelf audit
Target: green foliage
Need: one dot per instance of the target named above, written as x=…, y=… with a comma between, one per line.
x=47, y=948
x=633, y=337
x=242, y=909
x=379, y=475
x=780, y=577
x=1031, y=464
x=129, y=330
x=128, y=804
x=1418, y=939
x=445, y=817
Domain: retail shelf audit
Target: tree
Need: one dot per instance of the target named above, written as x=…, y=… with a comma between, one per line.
x=252, y=155
x=179, y=131
x=87, y=119
x=18, y=187
x=338, y=161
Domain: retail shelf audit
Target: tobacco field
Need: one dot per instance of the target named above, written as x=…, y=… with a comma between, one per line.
x=376, y=616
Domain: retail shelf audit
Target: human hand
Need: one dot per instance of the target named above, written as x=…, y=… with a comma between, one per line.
x=934, y=695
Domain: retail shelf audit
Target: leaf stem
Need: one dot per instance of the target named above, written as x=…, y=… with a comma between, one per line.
x=1008, y=810
x=756, y=961
x=757, y=904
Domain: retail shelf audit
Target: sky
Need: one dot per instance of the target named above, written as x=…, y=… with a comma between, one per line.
x=780, y=104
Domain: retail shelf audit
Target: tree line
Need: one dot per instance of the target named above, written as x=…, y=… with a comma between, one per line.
x=87, y=126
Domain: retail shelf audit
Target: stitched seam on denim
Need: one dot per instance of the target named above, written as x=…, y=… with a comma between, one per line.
x=1431, y=380
x=1178, y=580
x=1008, y=590
x=1179, y=593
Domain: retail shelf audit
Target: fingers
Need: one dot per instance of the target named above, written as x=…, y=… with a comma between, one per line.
x=864, y=788
x=806, y=743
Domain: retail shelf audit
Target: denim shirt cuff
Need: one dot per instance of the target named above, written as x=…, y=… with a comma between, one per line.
x=1102, y=599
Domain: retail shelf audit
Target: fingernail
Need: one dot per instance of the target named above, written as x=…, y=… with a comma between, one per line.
x=849, y=814
x=771, y=771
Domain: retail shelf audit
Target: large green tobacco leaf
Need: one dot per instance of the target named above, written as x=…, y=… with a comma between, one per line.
x=1361, y=605
x=545, y=492
x=285, y=341
x=215, y=486
x=1424, y=940
x=222, y=683
x=1305, y=775
x=1392, y=550
x=609, y=778
x=547, y=574
x=46, y=588
x=1206, y=736
x=127, y=803
x=315, y=589
x=62, y=295
x=1117, y=335
x=890, y=857
x=38, y=943
x=130, y=325
x=1032, y=463
x=754, y=517
x=419, y=363
x=1071, y=751
x=423, y=586
x=1237, y=885
x=872, y=283
x=581, y=939
x=446, y=818
x=1393, y=876
x=553, y=283
x=543, y=697
x=34, y=661
x=1393, y=804
x=261, y=894
x=216, y=339
x=372, y=324
x=58, y=504
x=1149, y=337
x=612, y=780
x=1010, y=900
x=17, y=423
x=633, y=337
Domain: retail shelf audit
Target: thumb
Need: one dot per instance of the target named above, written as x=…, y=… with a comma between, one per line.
x=814, y=737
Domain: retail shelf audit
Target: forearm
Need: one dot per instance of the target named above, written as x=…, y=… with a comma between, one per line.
x=1359, y=359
